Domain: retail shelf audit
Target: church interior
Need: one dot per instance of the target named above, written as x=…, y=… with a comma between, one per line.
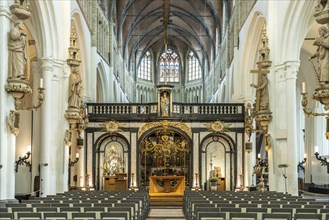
x=164, y=103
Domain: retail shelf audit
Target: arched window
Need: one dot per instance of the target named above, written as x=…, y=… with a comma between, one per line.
x=144, y=69
x=194, y=70
x=169, y=66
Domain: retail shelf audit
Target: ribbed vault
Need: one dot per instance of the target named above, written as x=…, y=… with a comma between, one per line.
x=193, y=25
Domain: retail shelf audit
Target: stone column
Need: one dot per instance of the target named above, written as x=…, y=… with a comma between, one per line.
x=7, y=139
x=285, y=146
x=45, y=132
x=291, y=109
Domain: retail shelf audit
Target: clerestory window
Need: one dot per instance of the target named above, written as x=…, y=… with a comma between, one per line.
x=144, y=69
x=194, y=70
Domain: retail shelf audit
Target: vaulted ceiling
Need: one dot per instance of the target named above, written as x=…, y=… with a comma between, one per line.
x=193, y=25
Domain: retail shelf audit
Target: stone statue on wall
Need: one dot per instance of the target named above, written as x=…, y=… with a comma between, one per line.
x=75, y=89
x=322, y=55
x=16, y=46
x=262, y=89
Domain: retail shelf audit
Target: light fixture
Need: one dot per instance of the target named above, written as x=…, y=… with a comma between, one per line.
x=72, y=163
x=321, y=93
x=23, y=160
x=323, y=161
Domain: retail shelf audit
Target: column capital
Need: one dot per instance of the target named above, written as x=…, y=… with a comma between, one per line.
x=46, y=64
x=287, y=70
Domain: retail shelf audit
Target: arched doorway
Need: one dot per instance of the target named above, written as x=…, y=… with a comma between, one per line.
x=164, y=151
x=218, y=158
x=111, y=156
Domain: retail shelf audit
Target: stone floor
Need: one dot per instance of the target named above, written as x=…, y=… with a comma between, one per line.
x=166, y=212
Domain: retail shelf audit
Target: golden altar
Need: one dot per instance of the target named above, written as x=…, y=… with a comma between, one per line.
x=168, y=194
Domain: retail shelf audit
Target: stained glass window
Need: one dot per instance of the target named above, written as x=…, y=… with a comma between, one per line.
x=169, y=66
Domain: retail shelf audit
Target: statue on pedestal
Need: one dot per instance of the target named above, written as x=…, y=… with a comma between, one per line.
x=262, y=89
x=75, y=89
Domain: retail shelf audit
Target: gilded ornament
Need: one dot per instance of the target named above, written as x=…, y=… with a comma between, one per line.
x=217, y=126
x=112, y=126
x=165, y=124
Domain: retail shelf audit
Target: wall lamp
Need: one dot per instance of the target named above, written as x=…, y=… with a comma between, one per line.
x=23, y=160
x=72, y=163
x=323, y=161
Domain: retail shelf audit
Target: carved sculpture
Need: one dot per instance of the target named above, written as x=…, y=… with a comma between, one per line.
x=262, y=89
x=75, y=89
x=16, y=46
x=322, y=55
x=113, y=161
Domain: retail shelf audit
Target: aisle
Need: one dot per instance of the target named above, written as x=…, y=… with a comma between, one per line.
x=166, y=212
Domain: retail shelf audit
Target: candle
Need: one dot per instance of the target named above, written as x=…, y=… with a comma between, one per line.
x=41, y=83
x=77, y=155
x=303, y=87
x=258, y=155
x=305, y=155
x=28, y=148
x=316, y=149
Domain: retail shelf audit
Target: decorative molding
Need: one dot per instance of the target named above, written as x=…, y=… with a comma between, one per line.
x=165, y=124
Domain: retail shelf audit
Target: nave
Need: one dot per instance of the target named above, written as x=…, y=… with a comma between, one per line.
x=197, y=205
